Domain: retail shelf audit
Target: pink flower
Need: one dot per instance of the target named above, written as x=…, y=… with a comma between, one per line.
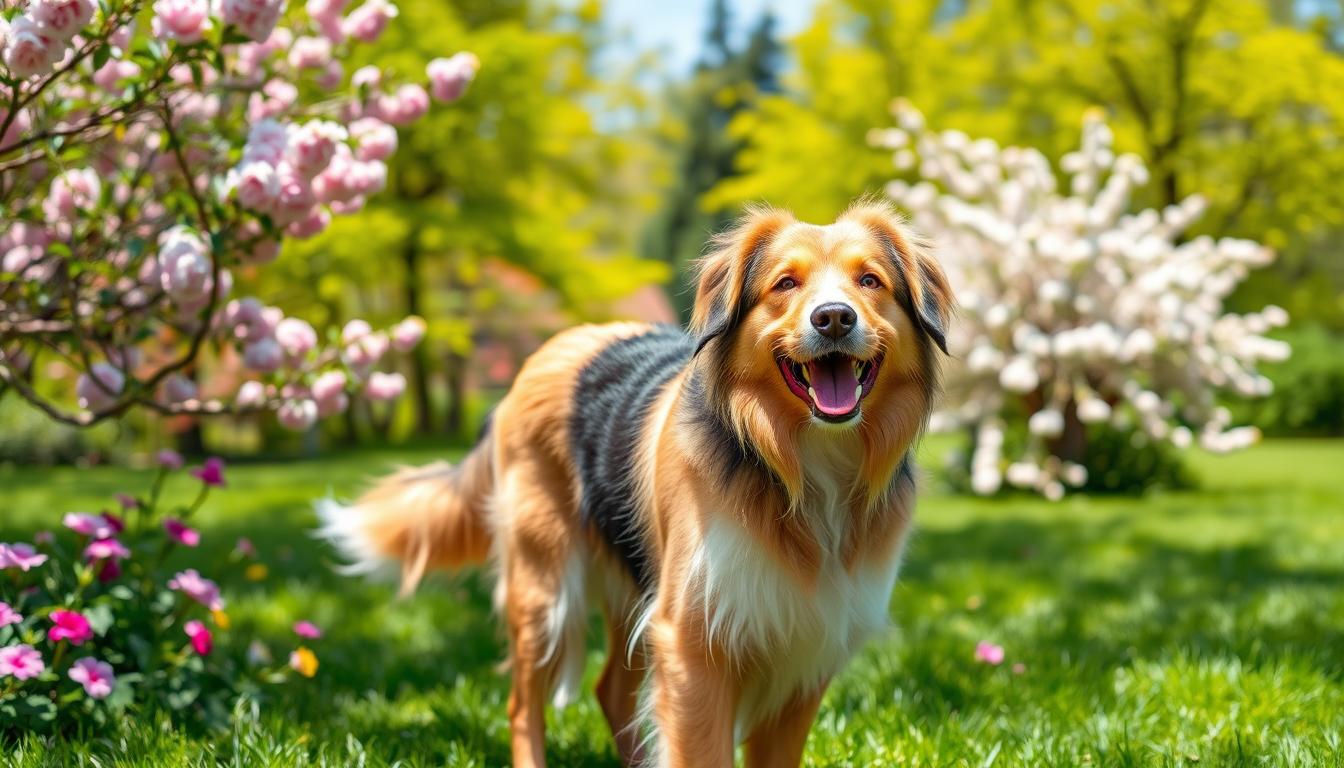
x=368, y=21
x=312, y=145
x=266, y=142
x=181, y=533
x=988, y=653
x=297, y=338
x=202, y=590
x=184, y=21
x=72, y=191
x=185, y=268
x=331, y=76
x=449, y=78
x=312, y=225
x=354, y=331
x=295, y=199
x=307, y=629
x=99, y=388
x=33, y=49
x=211, y=472
x=297, y=415
x=252, y=394
x=385, y=386
x=310, y=53
x=69, y=625
x=21, y=662
x=116, y=523
x=109, y=76
x=178, y=389
x=367, y=76
x=366, y=351
x=408, y=104
x=21, y=556
x=408, y=333
x=201, y=639
x=105, y=549
x=8, y=615
x=64, y=17
x=96, y=677
x=127, y=501
x=264, y=355
x=93, y=526
x=329, y=392
x=256, y=185
x=1019, y=668
x=170, y=460
x=377, y=140
x=256, y=19
x=245, y=548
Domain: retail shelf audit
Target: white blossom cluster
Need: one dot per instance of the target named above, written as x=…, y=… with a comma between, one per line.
x=1073, y=310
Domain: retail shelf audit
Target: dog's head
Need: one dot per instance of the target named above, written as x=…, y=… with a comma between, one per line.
x=822, y=323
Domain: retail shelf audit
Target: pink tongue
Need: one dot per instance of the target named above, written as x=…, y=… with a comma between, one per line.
x=834, y=383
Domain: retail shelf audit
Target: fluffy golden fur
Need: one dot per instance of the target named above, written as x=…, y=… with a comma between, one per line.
x=770, y=491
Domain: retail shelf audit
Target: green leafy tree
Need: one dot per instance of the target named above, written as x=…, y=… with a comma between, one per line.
x=1237, y=100
x=520, y=175
x=727, y=80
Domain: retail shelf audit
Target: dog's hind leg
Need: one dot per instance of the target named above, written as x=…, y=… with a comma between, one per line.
x=542, y=594
x=619, y=686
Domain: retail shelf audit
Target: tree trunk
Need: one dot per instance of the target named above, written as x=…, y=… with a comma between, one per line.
x=424, y=417
x=1072, y=444
x=456, y=375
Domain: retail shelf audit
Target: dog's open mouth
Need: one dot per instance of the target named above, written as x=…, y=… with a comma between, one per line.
x=833, y=385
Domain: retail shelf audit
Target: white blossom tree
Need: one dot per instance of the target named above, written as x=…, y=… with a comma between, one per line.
x=1074, y=310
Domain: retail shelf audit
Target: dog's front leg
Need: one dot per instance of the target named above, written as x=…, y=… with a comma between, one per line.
x=694, y=698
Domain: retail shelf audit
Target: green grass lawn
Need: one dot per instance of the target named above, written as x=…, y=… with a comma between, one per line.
x=1176, y=628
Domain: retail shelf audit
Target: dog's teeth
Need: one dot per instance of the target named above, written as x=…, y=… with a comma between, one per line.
x=802, y=373
x=858, y=392
x=812, y=393
x=858, y=369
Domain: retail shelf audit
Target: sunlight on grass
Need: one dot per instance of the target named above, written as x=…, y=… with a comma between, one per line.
x=1179, y=627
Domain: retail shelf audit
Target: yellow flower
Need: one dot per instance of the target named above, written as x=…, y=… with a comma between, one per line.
x=221, y=619
x=256, y=572
x=303, y=661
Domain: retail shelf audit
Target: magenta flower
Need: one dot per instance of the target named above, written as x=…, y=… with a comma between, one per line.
x=21, y=661
x=117, y=524
x=170, y=460
x=69, y=625
x=245, y=548
x=93, y=526
x=21, y=556
x=211, y=472
x=96, y=677
x=988, y=653
x=8, y=615
x=307, y=629
x=106, y=549
x=201, y=639
x=179, y=532
x=202, y=590
x=127, y=501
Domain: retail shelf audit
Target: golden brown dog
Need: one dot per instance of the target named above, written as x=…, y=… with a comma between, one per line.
x=734, y=500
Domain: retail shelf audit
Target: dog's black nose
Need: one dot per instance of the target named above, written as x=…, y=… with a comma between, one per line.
x=834, y=320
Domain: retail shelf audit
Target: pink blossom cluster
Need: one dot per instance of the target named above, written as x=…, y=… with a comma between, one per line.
x=37, y=41
x=165, y=204
x=1073, y=308
x=39, y=628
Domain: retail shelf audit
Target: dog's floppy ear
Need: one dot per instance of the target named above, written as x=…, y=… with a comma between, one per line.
x=927, y=294
x=726, y=271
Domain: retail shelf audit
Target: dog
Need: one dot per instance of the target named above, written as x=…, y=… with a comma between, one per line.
x=734, y=499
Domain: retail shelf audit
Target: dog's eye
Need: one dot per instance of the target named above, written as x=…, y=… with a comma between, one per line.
x=870, y=281
x=786, y=284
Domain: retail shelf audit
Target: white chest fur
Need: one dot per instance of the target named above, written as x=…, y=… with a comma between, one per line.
x=797, y=636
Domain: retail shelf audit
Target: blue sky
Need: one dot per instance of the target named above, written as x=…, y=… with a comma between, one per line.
x=677, y=27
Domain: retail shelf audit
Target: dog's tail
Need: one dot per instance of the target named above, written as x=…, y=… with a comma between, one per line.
x=435, y=516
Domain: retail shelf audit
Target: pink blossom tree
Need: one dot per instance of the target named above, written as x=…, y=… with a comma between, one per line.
x=145, y=165
x=1076, y=311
